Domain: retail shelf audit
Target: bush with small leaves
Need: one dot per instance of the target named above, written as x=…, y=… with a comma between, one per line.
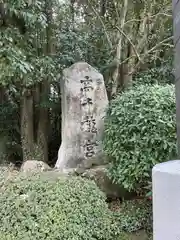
x=162, y=73
x=140, y=131
x=67, y=208
x=135, y=215
x=159, y=75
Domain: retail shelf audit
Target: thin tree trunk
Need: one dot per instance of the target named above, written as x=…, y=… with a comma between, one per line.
x=43, y=123
x=72, y=11
x=27, y=126
x=103, y=8
x=116, y=73
x=3, y=96
x=128, y=76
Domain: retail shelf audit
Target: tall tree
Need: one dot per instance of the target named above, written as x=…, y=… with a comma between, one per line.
x=44, y=88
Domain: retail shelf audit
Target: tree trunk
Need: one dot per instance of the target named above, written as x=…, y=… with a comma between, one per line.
x=128, y=73
x=44, y=87
x=116, y=74
x=3, y=96
x=43, y=123
x=72, y=11
x=27, y=126
x=103, y=8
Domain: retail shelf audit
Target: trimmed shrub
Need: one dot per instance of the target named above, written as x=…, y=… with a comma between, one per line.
x=134, y=236
x=63, y=209
x=140, y=131
x=135, y=215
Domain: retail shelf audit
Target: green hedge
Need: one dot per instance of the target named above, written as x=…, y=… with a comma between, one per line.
x=160, y=75
x=66, y=209
x=140, y=131
x=135, y=215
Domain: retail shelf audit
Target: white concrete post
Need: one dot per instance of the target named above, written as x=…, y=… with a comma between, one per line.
x=166, y=201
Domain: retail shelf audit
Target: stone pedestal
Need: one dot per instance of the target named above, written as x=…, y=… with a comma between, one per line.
x=166, y=201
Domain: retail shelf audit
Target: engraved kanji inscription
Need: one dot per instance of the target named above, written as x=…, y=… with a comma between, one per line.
x=85, y=89
x=87, y=84
x=86, y=100
x=89, y=148
x=89, y=124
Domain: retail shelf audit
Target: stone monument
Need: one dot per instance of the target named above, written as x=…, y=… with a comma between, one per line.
x=166, y=201
x=176, y=27
x=166, y=176
x=84, y=103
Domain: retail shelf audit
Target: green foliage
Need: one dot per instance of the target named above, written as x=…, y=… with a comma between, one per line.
x=37, y=208
x=140, y=131
x=84, y=31
x=22, y=55
x=157, y=75
x=17, y=54
x=25, y=62
x=134, y=236
x=135, y=215
x=83, y=44
x=10, y=148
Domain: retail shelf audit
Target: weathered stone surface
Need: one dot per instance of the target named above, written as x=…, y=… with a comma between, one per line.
x=84, y=101
x=176, y=27
x=99, y=175
x=34, y=166
x=166, y=195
